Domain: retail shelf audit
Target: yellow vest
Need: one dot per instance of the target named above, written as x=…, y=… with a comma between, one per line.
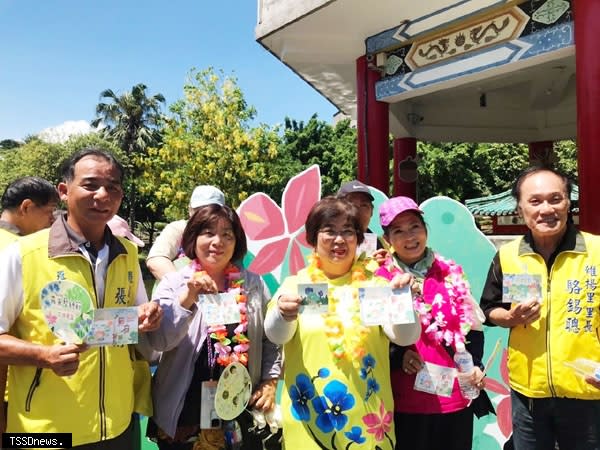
x=568, y=326
x=96, y=402
x=7, y=238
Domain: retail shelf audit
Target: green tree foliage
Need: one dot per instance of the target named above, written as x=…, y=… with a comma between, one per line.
x=500, y=164
x=333, y=148
x=566, y=153
x=132, y=121
x=462, y=171
x=43, y=159
x=449, y=169
x=32, y=158
x=94, y=140
x=209, y=140
x=7, y=144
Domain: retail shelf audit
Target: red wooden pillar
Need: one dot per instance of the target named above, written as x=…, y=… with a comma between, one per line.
x=541, y=152
x=405, y=167
x=587, y=72
x=373, y=129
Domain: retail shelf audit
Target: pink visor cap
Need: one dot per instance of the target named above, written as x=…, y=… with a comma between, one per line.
x=394, y=206
x=119, y=227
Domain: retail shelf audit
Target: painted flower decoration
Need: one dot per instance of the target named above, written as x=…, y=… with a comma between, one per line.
x=372, y=386
x=379, y=424
x=300, y=394
x=275, y=234
x=323, y=372
x=368, y=364
x=503, y=407
x=330, y=408
x=366, y=373
x=355, y=435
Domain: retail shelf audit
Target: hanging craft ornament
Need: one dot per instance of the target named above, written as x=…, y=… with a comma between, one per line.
x=68, y=310
x=233, y=391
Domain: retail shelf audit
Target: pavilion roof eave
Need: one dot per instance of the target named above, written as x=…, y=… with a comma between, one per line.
x=503, y=204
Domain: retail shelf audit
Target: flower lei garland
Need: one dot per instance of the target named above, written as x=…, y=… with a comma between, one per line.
x=346, y=338
x=222, y=344
x=445, y=307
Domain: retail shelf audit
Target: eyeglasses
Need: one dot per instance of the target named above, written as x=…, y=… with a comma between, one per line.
x=330, y=234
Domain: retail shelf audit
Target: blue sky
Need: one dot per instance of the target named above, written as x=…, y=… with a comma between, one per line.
x=56, y=56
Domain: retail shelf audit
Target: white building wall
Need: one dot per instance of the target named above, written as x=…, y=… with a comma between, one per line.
x=274, y=14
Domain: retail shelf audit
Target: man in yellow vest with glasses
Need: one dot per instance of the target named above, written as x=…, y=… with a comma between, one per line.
x=57, y=386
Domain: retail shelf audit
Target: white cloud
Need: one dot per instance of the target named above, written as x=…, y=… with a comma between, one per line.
x=64, y=131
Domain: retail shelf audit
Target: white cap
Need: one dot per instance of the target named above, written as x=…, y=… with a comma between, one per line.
x=119, y=227
x=206, y=195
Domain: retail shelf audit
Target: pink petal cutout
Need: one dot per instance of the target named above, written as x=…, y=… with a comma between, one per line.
x=269, y=257
x=261, y=217
x=504, y=417
x=300, y=194
x=503, y=366
x=296, y=259
x=496, y=386
x=301, y=239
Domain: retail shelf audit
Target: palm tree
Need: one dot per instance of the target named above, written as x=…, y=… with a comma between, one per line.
x=132, y=120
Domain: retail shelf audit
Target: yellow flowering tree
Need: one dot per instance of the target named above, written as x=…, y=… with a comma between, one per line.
x=209, y=140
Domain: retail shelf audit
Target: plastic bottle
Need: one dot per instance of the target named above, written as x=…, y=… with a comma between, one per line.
x=464, y=364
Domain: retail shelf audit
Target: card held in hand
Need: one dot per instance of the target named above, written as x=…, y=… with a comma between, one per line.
x=220, y=309
x=381, y=305
x=521, y=287
x=315, y=298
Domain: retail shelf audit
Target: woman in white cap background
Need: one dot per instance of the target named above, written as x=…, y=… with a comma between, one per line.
x=167, y=246
x=432, y=415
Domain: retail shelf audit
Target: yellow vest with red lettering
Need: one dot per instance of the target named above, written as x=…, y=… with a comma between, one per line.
x=96, y=403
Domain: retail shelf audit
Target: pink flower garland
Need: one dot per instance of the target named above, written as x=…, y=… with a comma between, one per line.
x=222, y=345
x=445, y=308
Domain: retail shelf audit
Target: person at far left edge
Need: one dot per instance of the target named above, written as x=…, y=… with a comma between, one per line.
x=59, y=387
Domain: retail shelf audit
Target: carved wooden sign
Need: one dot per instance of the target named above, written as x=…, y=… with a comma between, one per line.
x=505, y=26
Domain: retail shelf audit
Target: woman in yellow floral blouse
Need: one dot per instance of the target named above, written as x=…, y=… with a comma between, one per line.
x=337, y=377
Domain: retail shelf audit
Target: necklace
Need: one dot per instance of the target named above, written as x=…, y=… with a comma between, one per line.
x=232, y=350
x=346, y=335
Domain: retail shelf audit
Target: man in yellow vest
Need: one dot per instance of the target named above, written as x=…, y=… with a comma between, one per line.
x=28, y=205
x=57, y=386
x=545, y=288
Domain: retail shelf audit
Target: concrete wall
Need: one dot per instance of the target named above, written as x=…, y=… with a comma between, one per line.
x=274, y=14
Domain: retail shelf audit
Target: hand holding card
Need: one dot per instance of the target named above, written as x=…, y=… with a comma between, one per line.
x=289, y=306
x=314, y=298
